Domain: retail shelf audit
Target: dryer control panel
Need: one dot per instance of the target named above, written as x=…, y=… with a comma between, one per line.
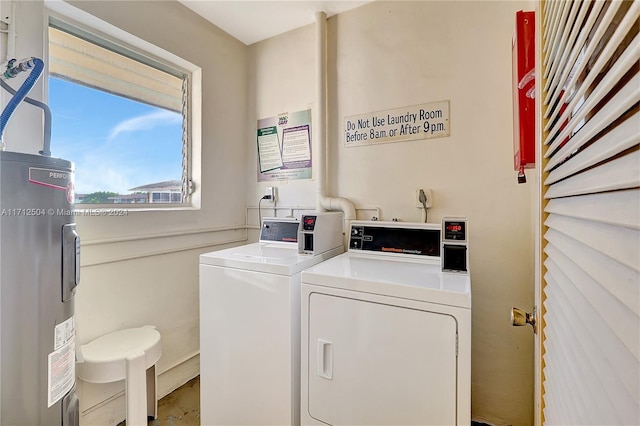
x=396, y=238
x=454, y=230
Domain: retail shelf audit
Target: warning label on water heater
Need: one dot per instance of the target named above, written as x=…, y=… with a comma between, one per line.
x=424, y=121
x=61, y=362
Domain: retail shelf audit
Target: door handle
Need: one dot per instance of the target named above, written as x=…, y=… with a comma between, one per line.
x=520, y=318
x=324, y=359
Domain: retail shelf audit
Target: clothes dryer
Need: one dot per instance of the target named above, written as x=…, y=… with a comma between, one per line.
x=250, y=321
x=386, y=334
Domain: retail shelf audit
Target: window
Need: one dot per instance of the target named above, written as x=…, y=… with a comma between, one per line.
x=121, y=117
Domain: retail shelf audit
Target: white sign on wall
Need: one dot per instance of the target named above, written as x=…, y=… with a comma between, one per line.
x=401, y=124
x=284, y=146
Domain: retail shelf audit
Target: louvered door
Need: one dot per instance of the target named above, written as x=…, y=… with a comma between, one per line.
x=590, y=260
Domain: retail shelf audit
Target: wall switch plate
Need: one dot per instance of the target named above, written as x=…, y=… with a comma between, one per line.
x=429, y=195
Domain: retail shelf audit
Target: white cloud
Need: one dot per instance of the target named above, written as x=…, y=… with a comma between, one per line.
x=102, y=177
x=145, y=122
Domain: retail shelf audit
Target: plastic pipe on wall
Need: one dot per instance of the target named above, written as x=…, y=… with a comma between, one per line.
x=323, y=201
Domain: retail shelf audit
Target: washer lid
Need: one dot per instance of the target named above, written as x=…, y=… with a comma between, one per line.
x=392, y=276
x=273, y=258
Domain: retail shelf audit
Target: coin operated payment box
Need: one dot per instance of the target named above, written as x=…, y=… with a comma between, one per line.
x=320, y=232
x=454, y=255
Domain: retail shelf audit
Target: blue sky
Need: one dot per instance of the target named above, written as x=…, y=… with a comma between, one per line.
x=115, y=143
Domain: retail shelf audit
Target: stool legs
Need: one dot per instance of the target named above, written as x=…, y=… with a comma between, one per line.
x=126, y=354
x=136, y=393
x=152, y=400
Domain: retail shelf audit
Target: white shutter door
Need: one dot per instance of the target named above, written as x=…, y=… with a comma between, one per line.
x=591, y=233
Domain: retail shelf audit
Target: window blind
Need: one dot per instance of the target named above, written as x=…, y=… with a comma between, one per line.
x=591, y=198
x=79, y=60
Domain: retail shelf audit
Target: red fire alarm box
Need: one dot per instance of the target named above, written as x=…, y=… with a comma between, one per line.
x=524, y=104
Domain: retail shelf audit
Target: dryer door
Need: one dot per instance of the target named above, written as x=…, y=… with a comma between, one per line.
x=372, y=363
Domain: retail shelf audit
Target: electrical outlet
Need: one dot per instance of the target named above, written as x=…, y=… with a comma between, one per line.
x=271, y=191
x=429, y=195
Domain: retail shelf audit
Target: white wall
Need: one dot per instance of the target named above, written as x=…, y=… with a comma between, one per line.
x=143, y=268
x=387, y=55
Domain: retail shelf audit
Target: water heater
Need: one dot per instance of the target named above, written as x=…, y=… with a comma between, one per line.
x=39, y=271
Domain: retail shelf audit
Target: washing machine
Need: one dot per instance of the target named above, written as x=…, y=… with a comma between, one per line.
x=250, y=321
x=386, y=328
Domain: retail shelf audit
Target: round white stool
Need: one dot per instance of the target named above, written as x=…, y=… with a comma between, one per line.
x=131, y=355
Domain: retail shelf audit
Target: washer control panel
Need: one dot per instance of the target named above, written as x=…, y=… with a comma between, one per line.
x=280, y=230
